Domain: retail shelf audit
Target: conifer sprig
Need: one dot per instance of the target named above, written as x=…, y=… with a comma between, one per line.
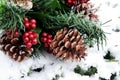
x=12, y=16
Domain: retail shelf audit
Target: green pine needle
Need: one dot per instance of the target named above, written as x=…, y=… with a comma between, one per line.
x=12, y=16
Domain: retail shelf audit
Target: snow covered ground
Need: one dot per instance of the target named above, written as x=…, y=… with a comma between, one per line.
x=51, y=66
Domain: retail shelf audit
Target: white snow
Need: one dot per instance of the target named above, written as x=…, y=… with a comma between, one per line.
x=109, y=9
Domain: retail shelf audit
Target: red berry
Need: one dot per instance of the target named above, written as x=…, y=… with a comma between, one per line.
x=44, y=34
x=33, y=21
x=9, y=36
x=29, y=44
x=49, y=36
x=27, y=25
x=35, y=34
x=34, y=41
x=46, y=45
x=41, y=39
x=49, y=41
x=69, y=1
x=26, y=20
x=26, y=39
x=26, y=34
x=30, y=32
x=33, y=26
x=31, y=36
x=75, y=3
x=44, y=39
x=16, y=34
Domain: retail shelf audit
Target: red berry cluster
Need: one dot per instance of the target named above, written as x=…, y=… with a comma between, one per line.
x=30, y=38
x=75, y=2
x=46, y=38
x=10, y=35
x=71, y=2
x=29, y=24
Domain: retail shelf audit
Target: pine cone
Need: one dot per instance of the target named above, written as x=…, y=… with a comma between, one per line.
x=68, y=44
x=88, y=11
x=26, y=4
x=15, y=48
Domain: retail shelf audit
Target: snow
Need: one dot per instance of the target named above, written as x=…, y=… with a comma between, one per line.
x=109, y=9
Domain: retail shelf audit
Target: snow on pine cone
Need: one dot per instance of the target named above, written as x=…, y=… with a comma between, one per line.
x=14, y=48
x=26, y=4
x=68, y=43
x=88, y=10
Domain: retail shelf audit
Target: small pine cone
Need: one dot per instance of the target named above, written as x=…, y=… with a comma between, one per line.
x=67, y=44
x=88, y=11
x=14, y=48
x=26, y=4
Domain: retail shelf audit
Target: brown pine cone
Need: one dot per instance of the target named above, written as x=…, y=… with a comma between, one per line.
x=26, y=4
x=88, y=11
x=67, y=44
x=15, y=48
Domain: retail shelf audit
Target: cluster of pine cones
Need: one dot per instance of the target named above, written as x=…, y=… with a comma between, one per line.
x=14, y=47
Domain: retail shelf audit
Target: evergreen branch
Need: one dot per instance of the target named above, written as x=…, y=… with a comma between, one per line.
x=90, y=31
x=12, y=16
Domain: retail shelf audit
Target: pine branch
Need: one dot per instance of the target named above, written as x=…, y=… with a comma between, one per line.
x=12, y=16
